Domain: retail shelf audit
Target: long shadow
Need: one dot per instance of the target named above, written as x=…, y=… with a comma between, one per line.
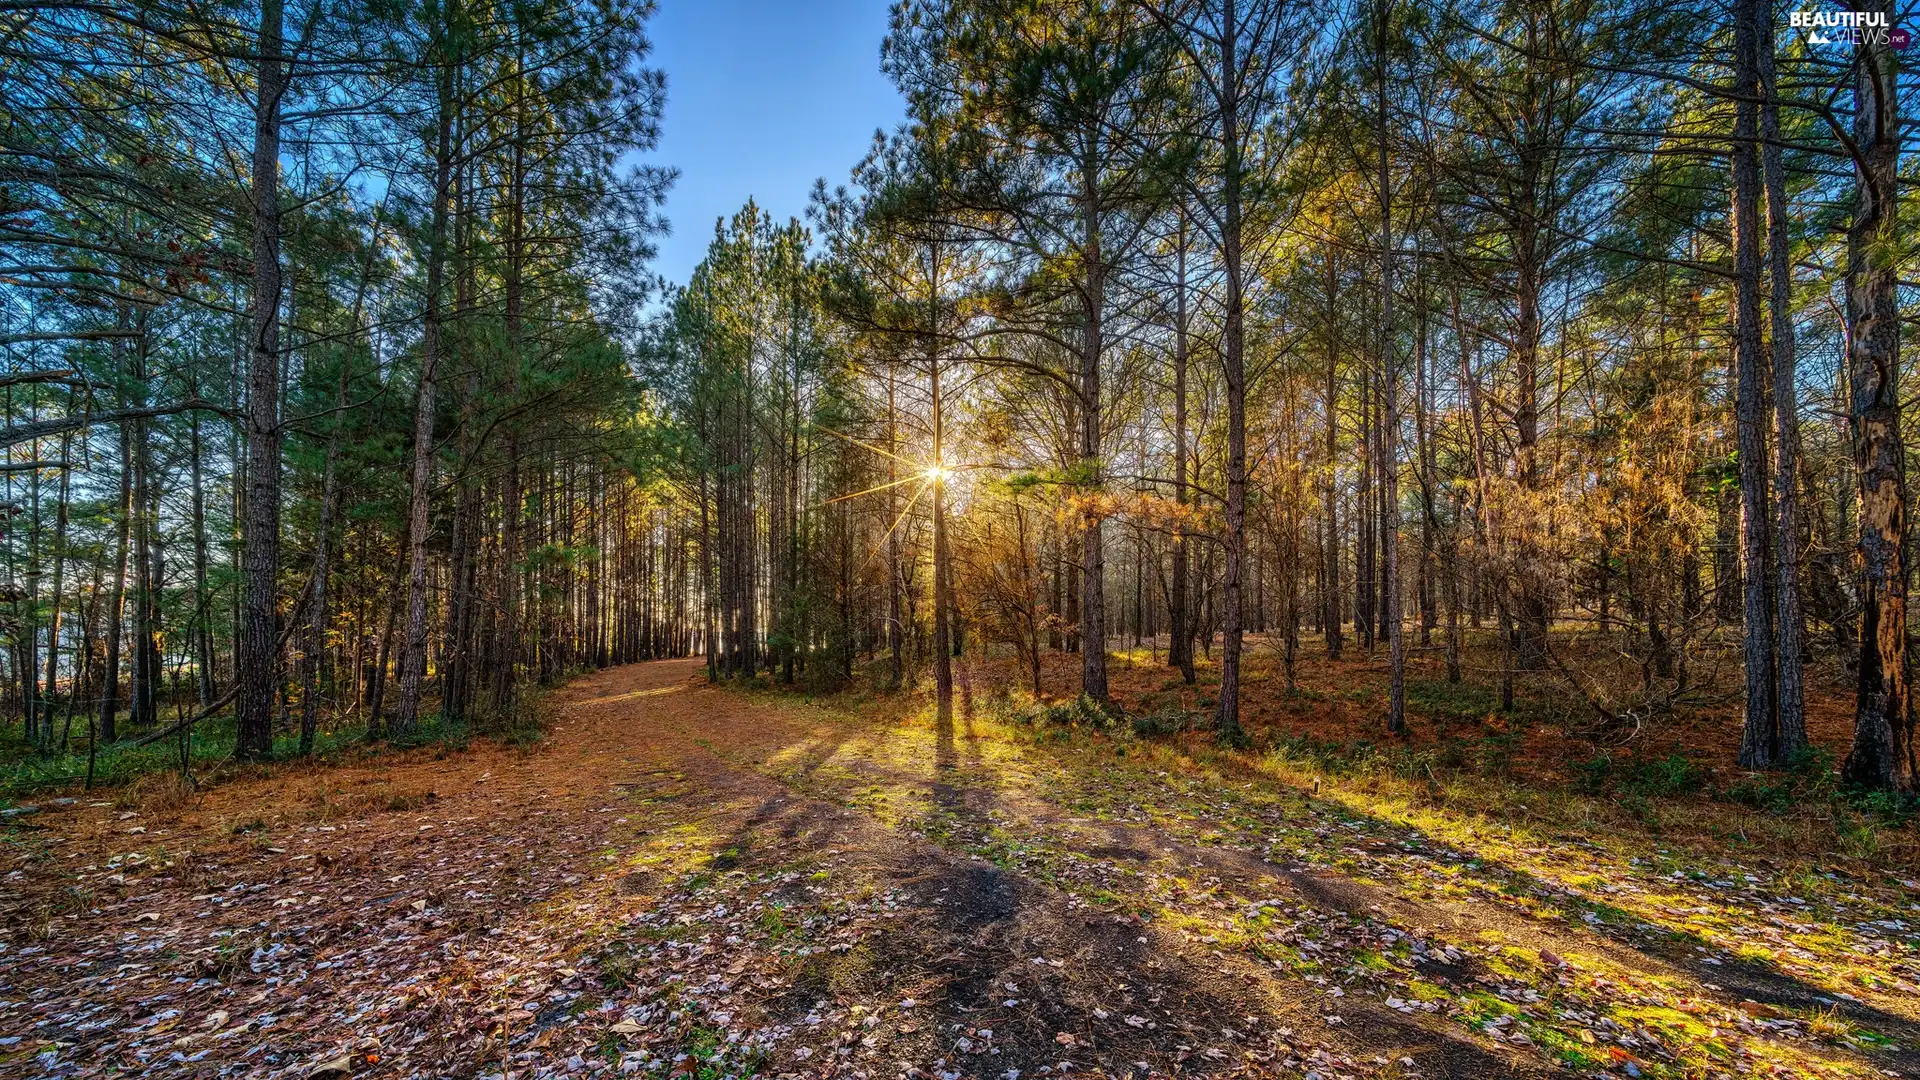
x=1656, y=948
x=1632, y=932
x=1333, y=892
x=1034, y=982
x=952, y=792
x=945, y=758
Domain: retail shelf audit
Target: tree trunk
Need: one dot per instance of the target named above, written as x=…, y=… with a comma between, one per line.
x=1757, y=744
x=942, y=571
x=258, y=633
x=1390, y=415
x=413, y=652
x=1789, y=628
x=1233, y=360
x=1759, y=738
x=1883, y=754
x=204, y=682
x=116, y=608
x=1330, y=555
x=1093, y=550
x=59, y=557
x=1180, y=616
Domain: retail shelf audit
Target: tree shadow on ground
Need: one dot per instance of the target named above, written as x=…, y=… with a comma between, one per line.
x=1007, y=973
x=1634, y=943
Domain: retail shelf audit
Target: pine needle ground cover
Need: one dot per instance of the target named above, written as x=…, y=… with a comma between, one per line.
x=694, y=881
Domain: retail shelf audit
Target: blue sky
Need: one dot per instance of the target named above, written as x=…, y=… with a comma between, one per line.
x=763, y=96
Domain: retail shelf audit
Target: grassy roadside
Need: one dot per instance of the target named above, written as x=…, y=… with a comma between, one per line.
x=206, y=750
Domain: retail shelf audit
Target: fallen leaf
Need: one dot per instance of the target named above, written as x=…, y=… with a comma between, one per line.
x=340, y=1066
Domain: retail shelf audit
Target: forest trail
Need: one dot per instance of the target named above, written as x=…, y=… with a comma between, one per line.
x=687, y=881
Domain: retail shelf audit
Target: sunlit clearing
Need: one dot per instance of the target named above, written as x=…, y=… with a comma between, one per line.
x=630, y=695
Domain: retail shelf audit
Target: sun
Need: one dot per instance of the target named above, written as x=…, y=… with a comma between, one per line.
x=938, y=474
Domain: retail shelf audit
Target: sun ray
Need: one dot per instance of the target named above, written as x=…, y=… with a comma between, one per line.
x=896, y=523
x=869, y=446
x=876, y=487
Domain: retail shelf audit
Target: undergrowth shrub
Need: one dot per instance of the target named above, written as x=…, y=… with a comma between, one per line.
x=1082, y=712
x=1811, y=778
x=1674, y=774
x=1168, y=719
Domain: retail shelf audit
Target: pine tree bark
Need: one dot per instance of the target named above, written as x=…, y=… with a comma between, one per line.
x=942, y=558
x=896, y=617
x=203, y=654
x=258, y=633
x=1390, y=413
x=143, y=688
x=1759, y=737
x=1093, y=548
x=1180, y=606
x=413, y=651
x=1789, y=626
x=107, y=731
x=1883, y=754
x=1233, y=361
x=1330, y=553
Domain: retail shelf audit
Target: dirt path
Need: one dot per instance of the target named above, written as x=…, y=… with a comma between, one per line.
x=683, y=881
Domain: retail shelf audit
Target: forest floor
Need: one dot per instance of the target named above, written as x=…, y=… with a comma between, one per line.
x=687, y=881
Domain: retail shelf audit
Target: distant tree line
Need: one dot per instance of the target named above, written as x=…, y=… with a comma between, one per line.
x=317, y=325
x=1555, y=340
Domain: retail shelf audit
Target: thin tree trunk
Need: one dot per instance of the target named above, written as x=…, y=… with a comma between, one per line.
x=413, y=653
x=1180, y=618
x=1234, y=362
x=59, y=557
x=316, y=643
x=942, y=571
x=1093, y=549
x=204, y=682
x=1331, y=554
x=107, y=731
x=896, y=663
x=1390, y=414
x=1789, y=626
